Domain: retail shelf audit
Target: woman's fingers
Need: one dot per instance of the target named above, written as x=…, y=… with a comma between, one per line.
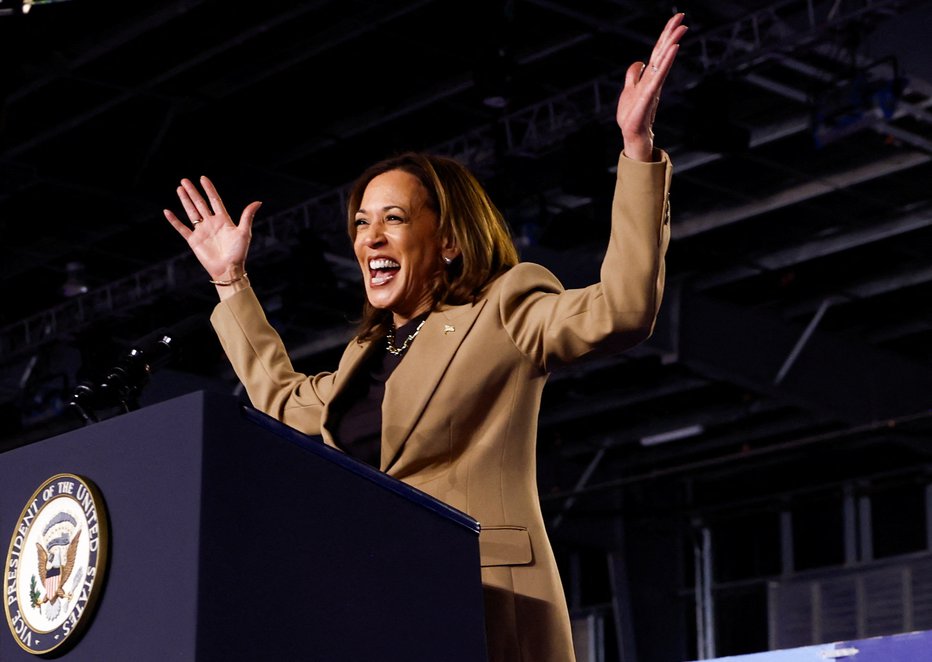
x=245, y=219
x=183, y=229
x=194, y=215
x=216, y=204
x=670, y=34
x=668, y=54
x=661, y=59
x=201, y=207
x=640, y=97
x=652, y=75
x=220, y=240
x=652, y=80
x=219, y=245
x=198, y=209
x=634, y=74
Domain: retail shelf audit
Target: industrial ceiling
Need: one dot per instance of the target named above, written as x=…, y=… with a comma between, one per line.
x=794, y=344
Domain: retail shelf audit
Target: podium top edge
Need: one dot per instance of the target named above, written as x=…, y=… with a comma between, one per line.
x=315, y=444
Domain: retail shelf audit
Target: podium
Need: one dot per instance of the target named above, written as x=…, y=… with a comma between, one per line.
x=233, y=537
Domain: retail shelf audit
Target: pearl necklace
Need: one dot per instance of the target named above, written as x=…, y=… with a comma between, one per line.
x=390, y=339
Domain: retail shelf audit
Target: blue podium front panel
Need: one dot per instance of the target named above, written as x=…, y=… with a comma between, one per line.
x=233, y=538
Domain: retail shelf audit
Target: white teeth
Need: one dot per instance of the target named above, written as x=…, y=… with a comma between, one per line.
x=383, y=264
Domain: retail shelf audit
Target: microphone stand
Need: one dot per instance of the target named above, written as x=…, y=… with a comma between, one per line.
x=123, y=383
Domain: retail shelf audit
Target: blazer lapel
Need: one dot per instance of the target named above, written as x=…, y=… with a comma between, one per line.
x=414, y=381
x=349, y=364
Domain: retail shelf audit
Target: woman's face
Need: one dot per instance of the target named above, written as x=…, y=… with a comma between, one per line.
x=397, y=245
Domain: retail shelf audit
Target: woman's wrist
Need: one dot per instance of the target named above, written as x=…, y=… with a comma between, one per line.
x=231, y=281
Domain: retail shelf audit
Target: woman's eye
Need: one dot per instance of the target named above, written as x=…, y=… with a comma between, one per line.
x=359, y=221
x=394, y=218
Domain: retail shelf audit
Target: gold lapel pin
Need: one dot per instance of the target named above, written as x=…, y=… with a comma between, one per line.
x=448, y=329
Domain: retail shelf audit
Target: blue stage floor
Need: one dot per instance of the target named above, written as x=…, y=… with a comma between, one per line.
x=909, y=647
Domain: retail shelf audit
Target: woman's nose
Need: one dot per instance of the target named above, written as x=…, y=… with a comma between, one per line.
x=375, y=235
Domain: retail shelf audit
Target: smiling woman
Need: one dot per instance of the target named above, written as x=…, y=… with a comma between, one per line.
x=397, y=245
x=435, y=237
x=441, y=387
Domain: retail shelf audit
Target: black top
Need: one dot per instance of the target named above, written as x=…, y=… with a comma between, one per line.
x=356, y=416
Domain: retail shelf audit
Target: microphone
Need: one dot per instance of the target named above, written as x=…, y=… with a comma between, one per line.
x=125, y=380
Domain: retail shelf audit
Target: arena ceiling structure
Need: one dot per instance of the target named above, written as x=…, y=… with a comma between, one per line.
x=794, y=344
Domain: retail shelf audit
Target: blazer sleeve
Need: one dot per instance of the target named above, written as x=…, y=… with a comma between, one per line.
x=554, y=326
x=260, y=361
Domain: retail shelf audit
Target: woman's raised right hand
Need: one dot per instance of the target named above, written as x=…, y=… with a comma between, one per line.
x=219, y=244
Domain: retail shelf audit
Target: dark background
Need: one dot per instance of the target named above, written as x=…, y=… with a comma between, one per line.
x=788, y=382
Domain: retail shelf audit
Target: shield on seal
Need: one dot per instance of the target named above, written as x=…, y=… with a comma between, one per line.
x=52, y=582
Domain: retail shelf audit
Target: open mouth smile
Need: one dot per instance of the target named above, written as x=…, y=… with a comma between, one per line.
x=382, y=270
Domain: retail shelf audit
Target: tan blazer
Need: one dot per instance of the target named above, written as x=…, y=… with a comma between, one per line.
x=460, y=411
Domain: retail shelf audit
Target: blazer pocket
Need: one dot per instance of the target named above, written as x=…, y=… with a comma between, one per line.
x=504, y=545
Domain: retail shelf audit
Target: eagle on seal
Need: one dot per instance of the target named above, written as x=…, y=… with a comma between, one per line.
x=52, y=572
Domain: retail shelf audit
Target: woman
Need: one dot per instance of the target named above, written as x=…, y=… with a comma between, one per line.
x=441, y=388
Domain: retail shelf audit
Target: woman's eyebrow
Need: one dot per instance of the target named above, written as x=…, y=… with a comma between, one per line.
x=386, y=208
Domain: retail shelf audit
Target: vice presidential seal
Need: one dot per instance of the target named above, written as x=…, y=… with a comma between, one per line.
x=54, y=569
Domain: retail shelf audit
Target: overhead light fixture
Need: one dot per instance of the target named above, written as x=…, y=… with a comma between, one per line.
x=672, y=435
x=16, y=7
x=496, y=101
x=75, y=281
x=863, y=99
x=495, y=62
x=493, y=78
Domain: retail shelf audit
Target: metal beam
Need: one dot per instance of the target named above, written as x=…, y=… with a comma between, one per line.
x=833, y=376
x=783, y=27
x=817, y=248
x=714, y=219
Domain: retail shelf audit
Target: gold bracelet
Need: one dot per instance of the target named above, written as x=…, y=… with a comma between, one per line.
x=229, y=282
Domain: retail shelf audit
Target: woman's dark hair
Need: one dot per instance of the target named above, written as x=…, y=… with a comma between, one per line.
x=467, y=219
